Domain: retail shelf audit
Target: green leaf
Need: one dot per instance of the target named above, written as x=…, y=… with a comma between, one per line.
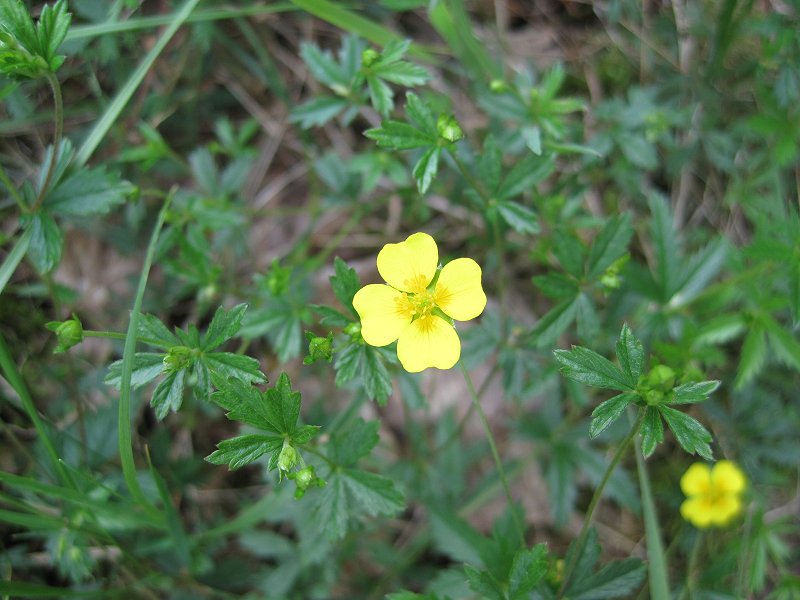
x=400, y=136
x=483, y=583
x=376, y=494
x=47, y=242
x=51, y=30
x=652, y=431
x=618, y=579
x=426, y=168
x=665, y=247
x=224, y=325
x=347, y=362
x=348, y=446
x=331, y=511
x=244, y=449
x=318, y=111
x=609, y=411
x=345, y=283
x=228, y=364
x=630, y=355
x=377, y=381
x=753, y=355
x=691, y=435
x=454, y=537
x=525, y=175
x=283, y=406
x=570, y=252
x=330, y=316
x=689, y=393
x=324, y=67
x=609, y=245
x=403, y=73
x=146, y=367
x=520, y=217
x=244, y=403
x=588, y=367
x=168, y=395
x=87, y=192
x=556, y=285
x=785, y=347
x=381, y=95
x=304, y=434
x=529, y=567
x=554, y=323
x=420, y=114
x=151, y=327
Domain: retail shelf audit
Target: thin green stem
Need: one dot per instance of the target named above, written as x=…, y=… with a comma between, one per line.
x=58, y=128
x=501, y=472
x=691, y=576
x=124, y=422
x=598, y=493
x=14, y=257
x=14, y=377
x=12, y=189
x=116, y=335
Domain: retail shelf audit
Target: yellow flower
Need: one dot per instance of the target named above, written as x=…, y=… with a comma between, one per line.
x=713, y=495
x=420, y=302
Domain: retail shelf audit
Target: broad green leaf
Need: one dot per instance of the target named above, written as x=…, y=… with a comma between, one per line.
x=426, y=168
x=700, y=269
x=47, y=242
x=753, y=355
x=618, y=579
x=228, y=364
x=224, y=325
x=376, y=494
x=151, y=327
x=87, y=192
x=318, y=111
x=609, y=411
x=519, y=217
x=587, y=318
x=345, y=283
x=244, y=449
x=609, y=245
x=146, y=367
x=490, y=164
x=630, y=355
x=168, y=395
x=689, y=393
x=400, y=136
x=482, y=583
x=652, y=431
x=588, y=557
x=528, y=569
x=560, y=475
x=691, y=435
x=588, y=367
x=348, y=446
x=51, y=30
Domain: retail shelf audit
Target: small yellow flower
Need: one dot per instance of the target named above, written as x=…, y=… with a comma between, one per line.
x=418, y=305
x=713, y=494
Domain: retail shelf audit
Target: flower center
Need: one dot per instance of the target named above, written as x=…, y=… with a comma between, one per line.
x=416, y=306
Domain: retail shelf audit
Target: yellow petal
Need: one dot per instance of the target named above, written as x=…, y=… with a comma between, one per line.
x=725, y=509
x=384, y=313
x=458, y=290
x=727, y=478
x=697, y=511
x=428, y=342
x=696, y=480
x=410, y=265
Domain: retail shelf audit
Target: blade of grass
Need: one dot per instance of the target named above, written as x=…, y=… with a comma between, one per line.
x=13, y=376
x=200, y=16
x=173, y=520
x=114, y=109
x=124, y=422
x=14, y=257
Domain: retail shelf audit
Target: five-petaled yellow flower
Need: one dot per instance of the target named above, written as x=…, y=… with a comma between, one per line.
x=713, y=494
x=419, y=303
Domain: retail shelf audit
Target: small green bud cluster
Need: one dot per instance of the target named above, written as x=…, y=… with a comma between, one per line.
x=69, y=333
x=319, y=348
x=304, y=479
x=178, y=358
x=448, y=128
x=369, y=57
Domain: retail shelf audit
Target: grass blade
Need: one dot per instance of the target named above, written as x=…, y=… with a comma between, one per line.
x=14, y=257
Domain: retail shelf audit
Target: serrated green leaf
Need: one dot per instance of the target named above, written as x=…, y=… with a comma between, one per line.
x=589, y=554
x=168, y=395
x=753, y=355
x=228, y=364
x=358, y=440
x=420, y=114
x=652, y=431
x=318, y=111
x=244, y=449
x=87, y=192
x=525, y=175
x=785, y=347
x=554, y=323
x=609, y=411
x=483, y=583
x=556, y=285
x=381, y=95
x=51, y=30
x=244, y=403
x=588, y=367
x=402, y=73
x=224, y=325
x=399, y=136
x=426, y=168
x=616, y=580
x=691, y=435
x=324, y=67
x=689, y=393
x=587, y=318
x=570, y=252
x=347, y=361
x=151, y=327
x=331, y=510
x=377, y=381
x=665, y=247
x=630, y=355
x=456, y=538
x=519, y=217
x=609, y=245
x=345, y=283
x=527, y=570
x=47, y=242
x=146, y=367
x=304, y=434
x=376, y=494
x=330, y=316
x=283, y=406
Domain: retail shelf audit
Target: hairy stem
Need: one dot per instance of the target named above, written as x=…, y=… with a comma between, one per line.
x=58, y=127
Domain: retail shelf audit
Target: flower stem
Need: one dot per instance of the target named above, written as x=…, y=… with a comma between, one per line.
x=58, y=126
x=493, y=446
x=587, y=519
x=691, y=576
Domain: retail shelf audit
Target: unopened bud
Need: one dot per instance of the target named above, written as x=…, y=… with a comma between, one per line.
x=498, y=86
x=287, y=458
x=69, y=333
x=177, y=359
x=369, y=57
x=448, y=128
x=319, y=348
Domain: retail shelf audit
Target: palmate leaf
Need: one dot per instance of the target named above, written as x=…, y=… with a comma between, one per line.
x=630, y=355
x=588, y=367
x=400, y=136
x=228, y=364
x=426, y=168
x=691, y=435
x=651, y=431
x=224, y=325
x=609, y=245
x=168, y=395
x=609, y=411
x=519, y=217
x=244, y=449
x=345, y=283
x=47, y=241
x=527, y=570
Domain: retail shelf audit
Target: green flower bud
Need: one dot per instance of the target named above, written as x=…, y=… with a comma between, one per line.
x=369, y=57
x=287, y=458
x=319, y=348
x=69, y=333
x=277, y=280
x=304, y=477
x=353, y=330
x=448, y=128
x=177, y=359
x=661, y=377
x=498, y=86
